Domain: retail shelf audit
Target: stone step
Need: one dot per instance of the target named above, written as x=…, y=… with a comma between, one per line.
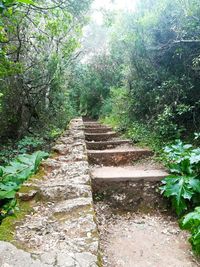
x=100, y=136
x=91, y=123
x=119, y=156
x=130, y=188
x=98, y=130
x=88, y=126
x=127, y=173
x=106, y=144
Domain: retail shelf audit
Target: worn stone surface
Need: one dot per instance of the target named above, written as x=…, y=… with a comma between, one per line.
x=60, y=231
x=130, y=196
x=118, y=156
x=128, y=173
x=135, y=227
x=100, y=136
x=92, y=125
x=101, y=145
x=10, y=256
x=98, y=130
x=27, y=196
x=129, y=187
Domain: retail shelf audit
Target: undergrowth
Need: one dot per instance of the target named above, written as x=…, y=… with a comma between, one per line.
x=191, y=222
x=13, y=175
x=138, y=133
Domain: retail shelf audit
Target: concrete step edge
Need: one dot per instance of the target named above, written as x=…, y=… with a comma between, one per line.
x=129, y=179
x=114, y=151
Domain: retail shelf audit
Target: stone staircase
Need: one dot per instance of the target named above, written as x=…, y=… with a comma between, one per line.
x=121, y=172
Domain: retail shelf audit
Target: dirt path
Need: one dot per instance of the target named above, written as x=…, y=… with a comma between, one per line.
x=142, y=240
x=135, y=227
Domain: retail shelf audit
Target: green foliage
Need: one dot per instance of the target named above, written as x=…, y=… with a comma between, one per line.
x=152, y=56
x=29, y=143
x=5, y=4
x=13, y=175
x=38, y=43
x=91, y=84
x=118, y=110
x=183, y=185
x=191, y=222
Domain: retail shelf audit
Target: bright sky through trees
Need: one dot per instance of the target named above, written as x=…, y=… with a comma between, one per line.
x=115, y=4
x=111, y=5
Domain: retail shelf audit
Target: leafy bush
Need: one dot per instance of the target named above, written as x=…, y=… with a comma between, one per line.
x=165, y=125
x=55, y=133
x=29, y=143
x=191, y=222
x=182, y=186
x=13, y=175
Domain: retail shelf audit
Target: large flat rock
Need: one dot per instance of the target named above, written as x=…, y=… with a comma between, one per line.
x=127, y=173
x=10, y=256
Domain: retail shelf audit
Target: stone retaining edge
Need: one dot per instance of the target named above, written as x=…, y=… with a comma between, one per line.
x=70, y=240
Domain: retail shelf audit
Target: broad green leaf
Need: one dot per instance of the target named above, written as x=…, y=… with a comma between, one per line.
x=8, y=190
x=194, y=159
x=26, y=2
x=179, y=189
x=39, y=155
x=18, y=171
x=195, y=184
x=191, y=220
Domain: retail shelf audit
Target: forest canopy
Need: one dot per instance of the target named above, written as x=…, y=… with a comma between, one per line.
x=141, y=74
x=147, y=74
x=38, y=42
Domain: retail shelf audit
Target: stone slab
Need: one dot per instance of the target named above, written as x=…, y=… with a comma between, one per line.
x=102, y=145
x=100, y=136
x=127, y=173
x=116, y=157
x=98, y=130
x=10, y=256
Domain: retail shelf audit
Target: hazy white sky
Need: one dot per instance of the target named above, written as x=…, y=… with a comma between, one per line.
x=112, y=5
x=115, y=4
x=95, y=34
